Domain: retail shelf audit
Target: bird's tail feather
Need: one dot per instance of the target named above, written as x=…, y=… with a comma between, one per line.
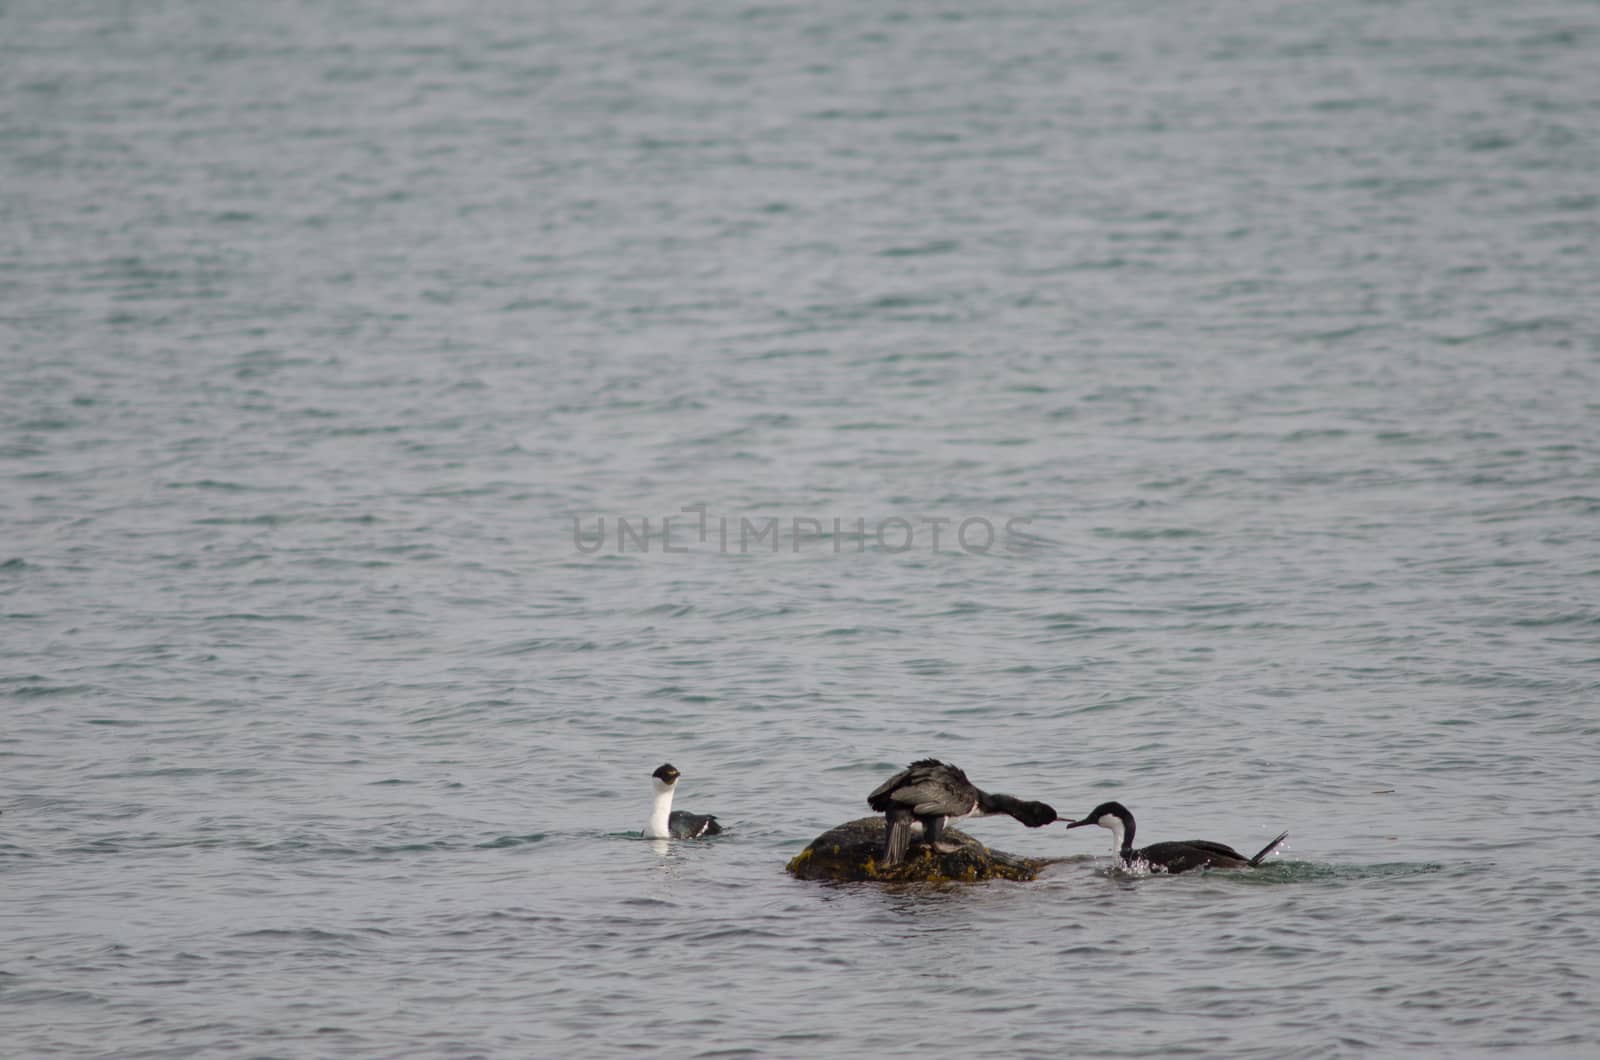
x=1269, y=848
x=898, y=841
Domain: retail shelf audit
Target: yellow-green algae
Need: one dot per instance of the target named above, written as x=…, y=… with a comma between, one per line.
x=852, y=851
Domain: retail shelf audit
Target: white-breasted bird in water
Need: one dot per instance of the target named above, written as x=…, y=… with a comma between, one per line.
x=931, y=792
x=667, y=823
x=1178, y=856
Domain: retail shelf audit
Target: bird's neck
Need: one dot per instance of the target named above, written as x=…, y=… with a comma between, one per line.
x=1121, y=839
x=656, y=828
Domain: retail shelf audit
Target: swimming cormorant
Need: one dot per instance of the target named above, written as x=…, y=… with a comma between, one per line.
x=667, y=823
x=1179, y=856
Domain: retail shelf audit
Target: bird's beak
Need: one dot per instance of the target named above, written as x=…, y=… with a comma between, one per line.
x=1078, y=824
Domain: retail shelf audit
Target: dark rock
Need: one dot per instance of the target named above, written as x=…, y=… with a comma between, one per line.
x=852, y=852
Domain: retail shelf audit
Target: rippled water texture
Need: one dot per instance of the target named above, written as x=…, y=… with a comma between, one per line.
x=1264, y=338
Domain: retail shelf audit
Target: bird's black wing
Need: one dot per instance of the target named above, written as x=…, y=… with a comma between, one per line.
x=929, y=788
x=1189, y=854
x=1219, y=849
x=685, y=825
x=879, y=799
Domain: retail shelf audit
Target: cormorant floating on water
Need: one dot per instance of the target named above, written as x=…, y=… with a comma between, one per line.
x=1180, y=856
x=930, y=792
x=667, y=823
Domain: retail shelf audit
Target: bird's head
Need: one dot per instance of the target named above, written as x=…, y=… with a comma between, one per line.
x=1112, y=815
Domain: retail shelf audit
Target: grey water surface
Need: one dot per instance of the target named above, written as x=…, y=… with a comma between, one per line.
x=1207, y=394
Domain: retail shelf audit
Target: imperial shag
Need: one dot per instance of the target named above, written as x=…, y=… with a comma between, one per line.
x=667, y=823
x=1178, y=856
x=930, y=793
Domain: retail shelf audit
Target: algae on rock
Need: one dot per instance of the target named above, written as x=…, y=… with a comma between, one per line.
x=853, y=851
